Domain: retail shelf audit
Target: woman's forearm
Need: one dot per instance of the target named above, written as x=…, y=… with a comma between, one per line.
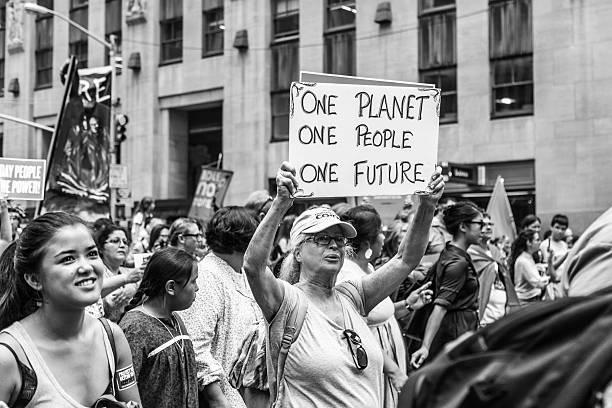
x=381, y=284
x=112, y=283
x=433, y=325
x=6, y=230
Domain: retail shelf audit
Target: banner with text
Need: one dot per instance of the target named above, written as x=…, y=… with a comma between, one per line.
x=210, y=192
x=22, y=179
x=356, y=140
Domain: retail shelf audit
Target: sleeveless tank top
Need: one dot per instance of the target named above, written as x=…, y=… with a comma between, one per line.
x=49, y=393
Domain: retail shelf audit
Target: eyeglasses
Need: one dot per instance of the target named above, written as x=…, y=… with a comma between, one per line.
x=117, y=241
x=325, y=240
x=482, y=223
x=360, y=357
x=199, y=235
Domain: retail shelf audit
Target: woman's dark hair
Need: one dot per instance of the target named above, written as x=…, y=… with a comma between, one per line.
x=518, y=247
x=230, y=229
x=145, y=204
x=23, y=256
x=459, y=213
x=528, y=220
x=367, y=223
x=155, y=233
x=101, y=223
x=102, y=236
x=164, y=265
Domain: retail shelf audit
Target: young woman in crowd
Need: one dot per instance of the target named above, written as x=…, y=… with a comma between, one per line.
x=528, y=280
x=532, y=222
x=496, y=295
x=52, y=353
x=456, y=304
x=143, y=212
x=164, y=360
x=159, y=238
x=120, y=283
x=224, y=310
x=335, y=361
x=365, y=248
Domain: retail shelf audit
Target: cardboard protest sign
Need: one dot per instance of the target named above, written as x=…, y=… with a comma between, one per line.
x=320, y=77
x=210, y=192
x=118, y=176
x=356, y=140
x=141, y=258
x=22, y=179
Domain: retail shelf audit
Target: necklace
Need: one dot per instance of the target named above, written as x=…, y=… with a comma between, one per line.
x=181, y=345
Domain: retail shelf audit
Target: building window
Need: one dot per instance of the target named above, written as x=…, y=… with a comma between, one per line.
x=171, y=30
x=286, y=16
x=112, y=25
x=214, y=28
x=285, y=63
x=437, y=52
x=2, y=43
x=285, y=69
x=339, y=38
x=44, y=47
x=511, y=55
x=77, y=40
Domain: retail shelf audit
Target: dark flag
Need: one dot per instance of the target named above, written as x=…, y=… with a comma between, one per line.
x=79, y=155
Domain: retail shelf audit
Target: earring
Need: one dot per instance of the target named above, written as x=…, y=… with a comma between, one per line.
x=368, y=253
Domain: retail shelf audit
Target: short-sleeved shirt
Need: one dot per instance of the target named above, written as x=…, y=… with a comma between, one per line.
x=222, y=315
x=164, y=360
x=458, y=289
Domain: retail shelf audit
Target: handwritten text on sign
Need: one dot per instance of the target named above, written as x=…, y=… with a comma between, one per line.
x=22, y=179
x=353, y=140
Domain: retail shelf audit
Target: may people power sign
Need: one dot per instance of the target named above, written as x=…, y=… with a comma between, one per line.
x=356, y=140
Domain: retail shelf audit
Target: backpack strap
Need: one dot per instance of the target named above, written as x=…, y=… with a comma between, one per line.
x=111, y=340
x=352, y=290
x=293, y=326
x=29, y=381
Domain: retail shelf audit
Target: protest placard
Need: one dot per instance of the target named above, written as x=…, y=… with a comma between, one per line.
x=210, y=191
x=141, y=258
x=22, y=179
x=118, y=176
x=356, y=140
x=321, y=77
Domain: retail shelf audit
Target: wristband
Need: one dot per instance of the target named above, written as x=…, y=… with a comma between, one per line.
x=408, y=306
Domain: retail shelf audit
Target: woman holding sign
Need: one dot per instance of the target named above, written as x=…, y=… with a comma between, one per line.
x=322, y=353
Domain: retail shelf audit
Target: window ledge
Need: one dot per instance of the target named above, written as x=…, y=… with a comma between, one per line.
x=170, y=62
x=510, y=115
x=448, y=122
x=41, y=87
x=273, y=140
x=212, y=54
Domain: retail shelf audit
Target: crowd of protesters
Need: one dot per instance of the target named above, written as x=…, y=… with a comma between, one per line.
x=257, y=307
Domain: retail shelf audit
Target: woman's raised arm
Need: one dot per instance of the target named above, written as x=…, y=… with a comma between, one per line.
x=268, y=292
x=381, y=284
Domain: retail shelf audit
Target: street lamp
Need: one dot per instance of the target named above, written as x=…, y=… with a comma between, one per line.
x=112, y=50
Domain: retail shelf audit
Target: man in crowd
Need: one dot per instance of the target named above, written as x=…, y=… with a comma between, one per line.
x=554, y=248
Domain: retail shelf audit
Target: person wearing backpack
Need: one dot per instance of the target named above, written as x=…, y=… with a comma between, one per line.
x=52, y=353
x=455, y=309
x=162, y=351
x=326, y=356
